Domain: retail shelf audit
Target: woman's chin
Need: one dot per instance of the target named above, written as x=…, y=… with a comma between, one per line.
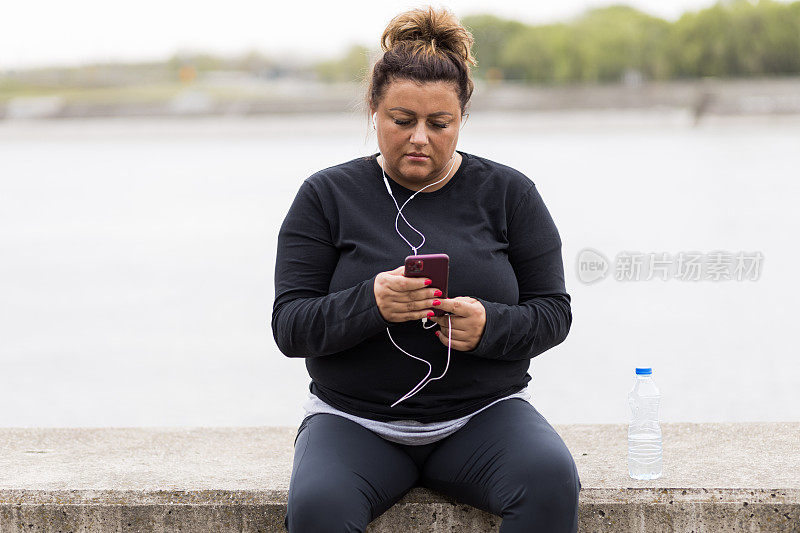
x=414, y=170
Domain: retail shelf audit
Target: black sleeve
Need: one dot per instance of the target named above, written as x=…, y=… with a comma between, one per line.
x=543, y=316
x=306, y=320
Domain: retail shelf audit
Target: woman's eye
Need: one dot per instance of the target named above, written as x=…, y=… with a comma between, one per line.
x=405, y=122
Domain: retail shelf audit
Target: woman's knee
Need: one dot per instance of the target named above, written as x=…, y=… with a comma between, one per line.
x=543, y=481
x=318, y=509
x=343, y=474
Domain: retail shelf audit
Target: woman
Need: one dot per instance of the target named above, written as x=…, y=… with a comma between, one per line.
x=376, y=424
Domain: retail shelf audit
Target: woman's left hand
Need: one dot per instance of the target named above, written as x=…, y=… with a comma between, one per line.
x=467, y=322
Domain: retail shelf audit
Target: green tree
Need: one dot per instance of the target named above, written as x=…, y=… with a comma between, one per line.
x=765, y=39
x=730, y=38
x=492, y=35
x=535, y=54
x=737, y=38
x=614, y=39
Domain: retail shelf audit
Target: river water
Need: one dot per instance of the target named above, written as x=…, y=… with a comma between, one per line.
x=137, y=261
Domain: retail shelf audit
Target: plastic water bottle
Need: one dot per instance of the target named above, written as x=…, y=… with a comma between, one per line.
x=644, y=433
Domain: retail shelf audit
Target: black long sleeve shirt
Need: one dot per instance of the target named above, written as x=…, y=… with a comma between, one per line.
x=339, y=233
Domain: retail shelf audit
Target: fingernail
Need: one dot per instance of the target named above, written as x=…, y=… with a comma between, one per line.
x=428, y=282
x=437, y=292
x=431, y=313
x=436, y=302
x=437, y=333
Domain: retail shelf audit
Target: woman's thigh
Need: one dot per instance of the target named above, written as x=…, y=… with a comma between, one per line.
x=509, y=460
x=343, y=476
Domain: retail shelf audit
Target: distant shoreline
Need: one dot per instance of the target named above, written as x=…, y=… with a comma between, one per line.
x=699, y=97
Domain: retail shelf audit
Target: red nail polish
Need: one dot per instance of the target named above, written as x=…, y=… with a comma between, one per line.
x=428, y=281
x=431, y=313
x=437, y=292
x=436, y=302
x=437, y=333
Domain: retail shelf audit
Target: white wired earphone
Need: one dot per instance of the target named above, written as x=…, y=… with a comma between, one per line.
x=422, y=383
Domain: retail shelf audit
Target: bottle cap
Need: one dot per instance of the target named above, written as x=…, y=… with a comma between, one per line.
x=644, y=371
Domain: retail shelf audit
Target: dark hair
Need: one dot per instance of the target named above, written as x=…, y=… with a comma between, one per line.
x=424, y=45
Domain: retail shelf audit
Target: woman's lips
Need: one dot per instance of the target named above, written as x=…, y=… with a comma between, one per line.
x=417, y=157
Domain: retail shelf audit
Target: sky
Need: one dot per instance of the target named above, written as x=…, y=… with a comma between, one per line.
x=58, y=33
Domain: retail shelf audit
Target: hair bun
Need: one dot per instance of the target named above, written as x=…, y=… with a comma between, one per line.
x=429, y=31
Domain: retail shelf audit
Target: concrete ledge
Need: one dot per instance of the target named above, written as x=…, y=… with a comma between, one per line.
x=717, y=477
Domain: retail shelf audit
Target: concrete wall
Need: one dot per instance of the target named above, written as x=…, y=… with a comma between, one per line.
x=717, y=477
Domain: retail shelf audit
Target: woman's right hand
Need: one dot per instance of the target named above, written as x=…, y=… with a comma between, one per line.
x=401, y=298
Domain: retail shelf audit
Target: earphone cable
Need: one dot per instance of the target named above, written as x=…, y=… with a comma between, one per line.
x=419, y=386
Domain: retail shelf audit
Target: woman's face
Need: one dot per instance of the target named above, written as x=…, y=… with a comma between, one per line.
x=418, y=118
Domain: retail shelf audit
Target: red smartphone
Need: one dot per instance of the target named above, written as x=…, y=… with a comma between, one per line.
x=433, y=266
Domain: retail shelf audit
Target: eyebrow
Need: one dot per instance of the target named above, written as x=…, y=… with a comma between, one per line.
x=404, y=110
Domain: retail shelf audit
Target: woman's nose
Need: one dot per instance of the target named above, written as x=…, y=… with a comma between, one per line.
x=419, y=135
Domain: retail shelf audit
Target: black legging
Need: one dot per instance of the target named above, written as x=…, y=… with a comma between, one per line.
x=507, y=460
